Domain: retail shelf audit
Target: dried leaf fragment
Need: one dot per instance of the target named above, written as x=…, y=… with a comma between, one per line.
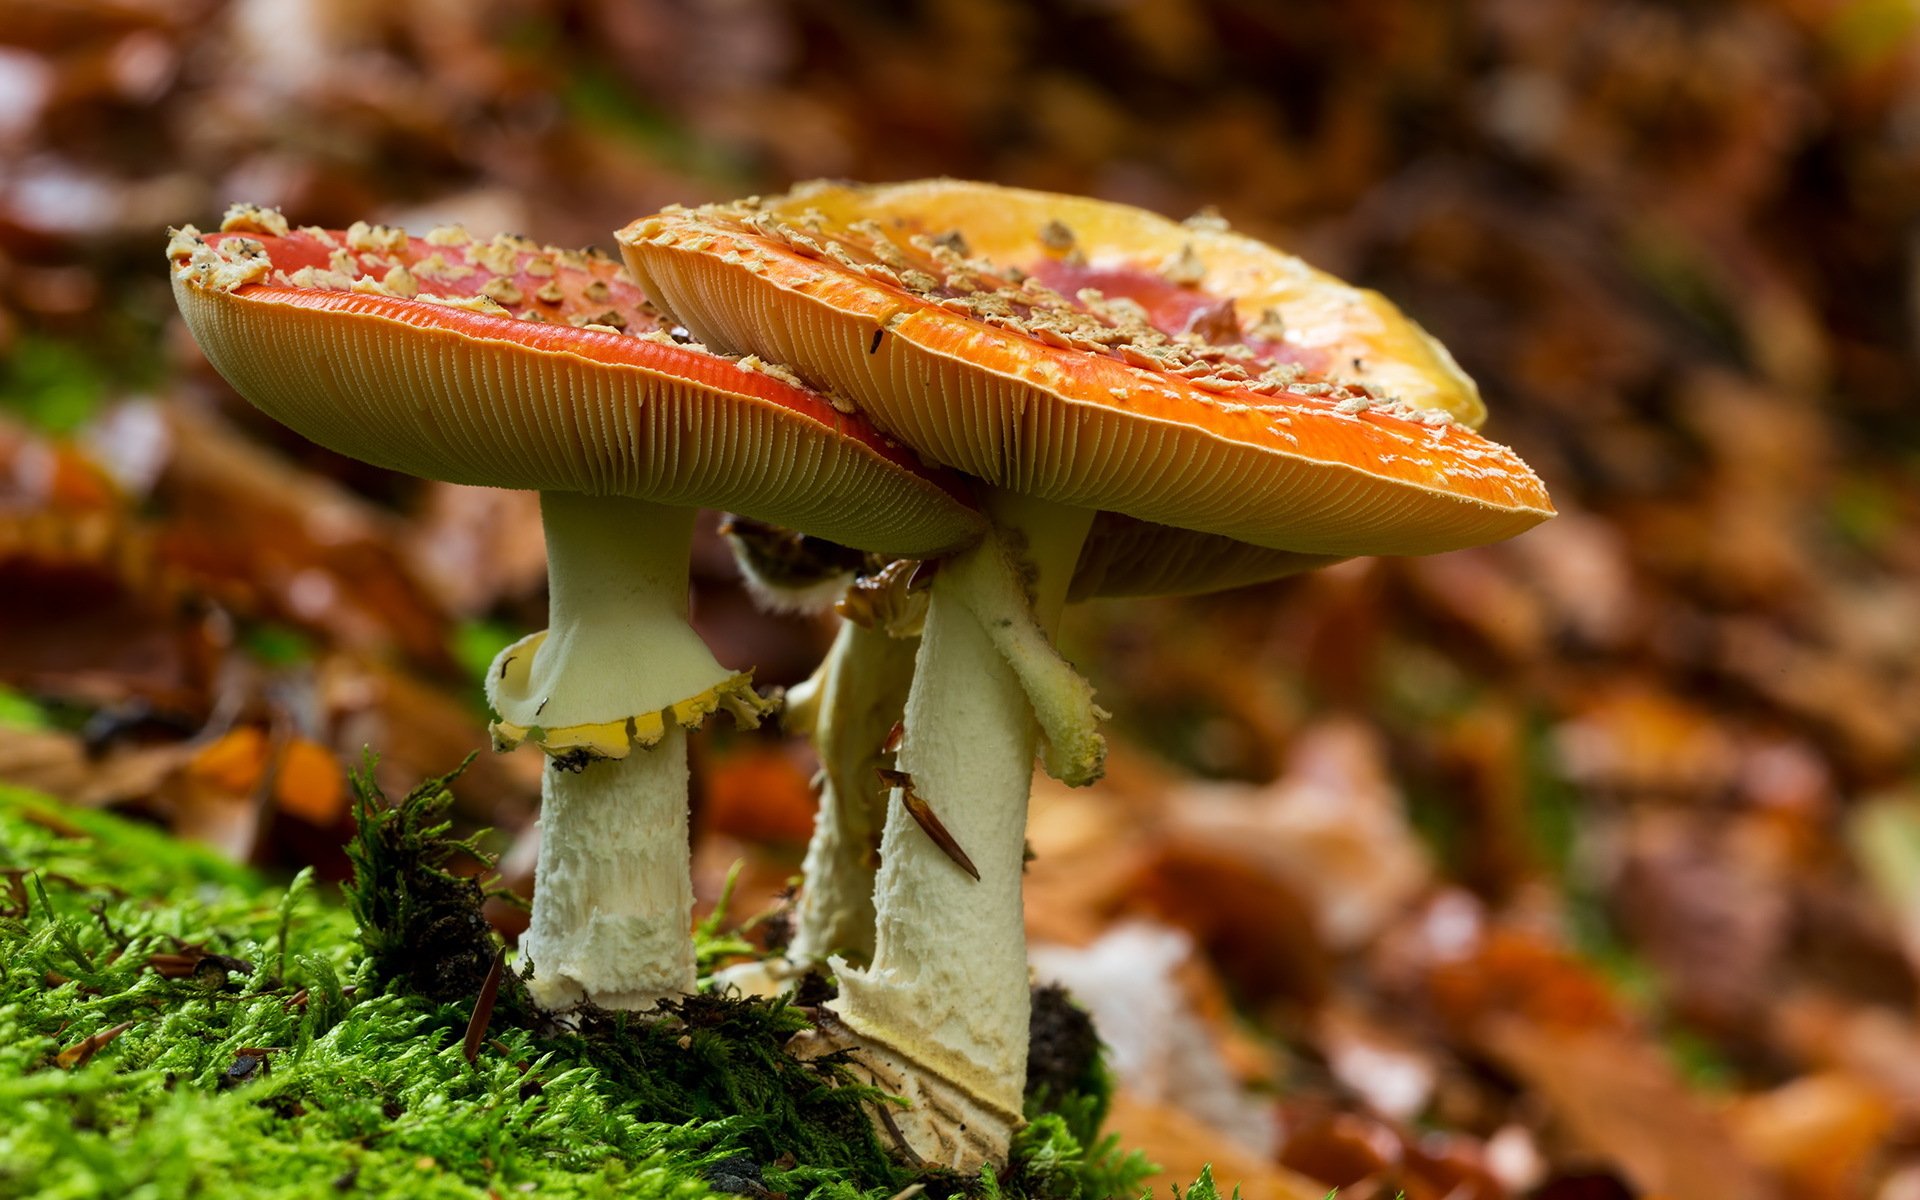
x=76, y=1055
x=483, y=1007
x=924, y=816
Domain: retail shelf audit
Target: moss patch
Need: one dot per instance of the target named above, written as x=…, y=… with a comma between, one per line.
x=170, y=1025
x=287, y=1075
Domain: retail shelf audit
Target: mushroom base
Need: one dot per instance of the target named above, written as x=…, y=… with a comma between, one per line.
x=943, y=1124
x=614, y=891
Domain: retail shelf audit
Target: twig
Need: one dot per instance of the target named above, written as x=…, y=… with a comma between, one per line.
x=483, y=1007
x=929, y=823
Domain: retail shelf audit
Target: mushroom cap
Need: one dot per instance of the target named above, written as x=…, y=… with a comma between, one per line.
x=1185, y=274
x=509, y=364
x=928, y=305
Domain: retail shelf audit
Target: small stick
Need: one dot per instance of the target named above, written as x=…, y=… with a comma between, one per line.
x=923, y=815
x=483, y=1007
x=77, y=1054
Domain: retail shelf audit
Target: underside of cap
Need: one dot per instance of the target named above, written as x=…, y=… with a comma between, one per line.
x=585, y=395
x=1125, y=557
x=979, y=365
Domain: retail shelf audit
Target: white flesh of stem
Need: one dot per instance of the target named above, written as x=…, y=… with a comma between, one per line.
x=617, y=642
x=945, y=1003
x=860, y=692
x=613, y=893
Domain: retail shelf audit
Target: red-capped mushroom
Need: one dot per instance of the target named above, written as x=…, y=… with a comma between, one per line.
x=1184, y=378
x=509, y=364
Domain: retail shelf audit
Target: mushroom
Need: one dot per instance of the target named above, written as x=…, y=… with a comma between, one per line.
x=853, y=705
x=850, y=707
x=938, y=310
x=509, y=364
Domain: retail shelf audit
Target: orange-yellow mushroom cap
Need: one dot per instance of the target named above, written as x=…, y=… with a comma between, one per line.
x=1191, y=378
x=509, y=364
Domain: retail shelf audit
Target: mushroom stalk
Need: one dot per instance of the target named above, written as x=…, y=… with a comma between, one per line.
x=943, y=1010
x=852, y=703
x=606, y=692
x=613, y=894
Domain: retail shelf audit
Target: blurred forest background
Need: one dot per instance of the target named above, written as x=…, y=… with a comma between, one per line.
x=1579, y=867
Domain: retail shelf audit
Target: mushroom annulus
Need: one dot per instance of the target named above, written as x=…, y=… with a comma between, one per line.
x=504, y=363
x=1076, y=357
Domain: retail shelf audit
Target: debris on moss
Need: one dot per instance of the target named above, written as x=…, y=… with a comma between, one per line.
x=420, y=923
x=1061, y=1153
x=1063, y=1050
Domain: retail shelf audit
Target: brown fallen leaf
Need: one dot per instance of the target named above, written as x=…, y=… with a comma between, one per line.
x=928, y=821
x=1869, y=1044
x=57, y=763
x=1332, y=830
x=1180, y=1146
x=483, y=1007
x=1506, y=973
x=1617, y=1096
x=315, y=554
x=76, y=1055
x=309, y=783
x=1342, y=1150
x=758, y=792
x=1818, y=1132
x=195, y=961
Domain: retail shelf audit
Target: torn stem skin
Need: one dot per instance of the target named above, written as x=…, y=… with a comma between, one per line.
x=943, y=1010
x=858, y=694
x=607, y=691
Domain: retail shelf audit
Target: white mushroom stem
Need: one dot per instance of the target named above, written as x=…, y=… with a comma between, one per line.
x=613, y=894
x=606, y=692
x=850, y=707
x=942, y=1012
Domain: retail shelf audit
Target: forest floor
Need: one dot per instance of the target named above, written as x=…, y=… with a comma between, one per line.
x=172, y=1025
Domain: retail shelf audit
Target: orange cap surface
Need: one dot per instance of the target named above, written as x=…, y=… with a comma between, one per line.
x=509, y=364
x=1147, y=392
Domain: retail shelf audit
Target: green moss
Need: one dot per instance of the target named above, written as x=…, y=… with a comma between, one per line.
x=275, y=645
x=341, y=1090
x=718, y=1060
x=474, y=645
x=54, y=386
x=420, y=923
x=287, y=1050
x=21, y=712
x=1061, y=1152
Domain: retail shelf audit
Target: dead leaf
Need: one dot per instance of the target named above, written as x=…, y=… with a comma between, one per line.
x=1617, y=1096
x=76, y=1055
x=308, y=783
x=1818, y=1132
x=1181, y=1146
